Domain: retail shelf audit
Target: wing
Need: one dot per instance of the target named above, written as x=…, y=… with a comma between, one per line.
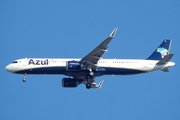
x=93, y=57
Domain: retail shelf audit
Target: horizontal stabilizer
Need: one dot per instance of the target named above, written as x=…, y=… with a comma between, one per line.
x=165, y=59
x=165, y=69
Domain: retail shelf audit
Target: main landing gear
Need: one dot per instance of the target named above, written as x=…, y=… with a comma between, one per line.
x=89, y=77
x=24, y=79
x=91, y=73
x=88, y=84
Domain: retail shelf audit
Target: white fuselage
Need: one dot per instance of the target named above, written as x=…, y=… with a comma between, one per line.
x=112, y=66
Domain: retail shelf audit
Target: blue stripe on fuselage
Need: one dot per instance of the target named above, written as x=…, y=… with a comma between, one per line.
x=122, y=71
x=62, y=70
x=44, y=70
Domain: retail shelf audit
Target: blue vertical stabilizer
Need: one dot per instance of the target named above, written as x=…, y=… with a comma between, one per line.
x=161, y=51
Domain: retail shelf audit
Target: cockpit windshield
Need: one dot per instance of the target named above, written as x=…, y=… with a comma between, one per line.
x=15, y=62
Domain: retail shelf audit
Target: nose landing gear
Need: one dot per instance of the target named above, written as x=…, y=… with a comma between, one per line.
x=24, y=79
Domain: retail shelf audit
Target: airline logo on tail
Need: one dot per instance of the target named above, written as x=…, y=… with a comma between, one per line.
x=162, y=51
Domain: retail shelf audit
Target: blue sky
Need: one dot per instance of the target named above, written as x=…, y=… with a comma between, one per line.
x=71, y=29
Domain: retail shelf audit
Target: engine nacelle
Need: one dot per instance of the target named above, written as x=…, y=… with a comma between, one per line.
x=73, y=66
x=69, y=82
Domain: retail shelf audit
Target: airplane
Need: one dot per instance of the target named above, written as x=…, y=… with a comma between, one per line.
x=93, y=65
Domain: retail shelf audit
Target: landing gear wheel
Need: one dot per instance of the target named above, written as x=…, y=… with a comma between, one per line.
x=91, y=73
x=88, y=85
x=24, y=80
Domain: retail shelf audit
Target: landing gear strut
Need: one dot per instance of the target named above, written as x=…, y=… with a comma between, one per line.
x=24, y=79
x=91, y=73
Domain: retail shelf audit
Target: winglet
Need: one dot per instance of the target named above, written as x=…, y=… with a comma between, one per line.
x=113, y=33
x=100, y=84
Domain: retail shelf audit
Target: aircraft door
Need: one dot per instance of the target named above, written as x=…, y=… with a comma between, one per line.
x=24, y=63
x=145, y=65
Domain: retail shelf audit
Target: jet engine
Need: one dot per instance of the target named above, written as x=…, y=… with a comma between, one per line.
x=73, y=66
x=69, y=82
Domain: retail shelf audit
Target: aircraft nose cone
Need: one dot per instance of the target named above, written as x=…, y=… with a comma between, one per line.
x=8, y=68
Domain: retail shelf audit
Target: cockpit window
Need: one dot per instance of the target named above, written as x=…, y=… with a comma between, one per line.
x=15, y=62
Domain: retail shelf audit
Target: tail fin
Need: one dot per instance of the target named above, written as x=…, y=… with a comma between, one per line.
x=161, y=51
